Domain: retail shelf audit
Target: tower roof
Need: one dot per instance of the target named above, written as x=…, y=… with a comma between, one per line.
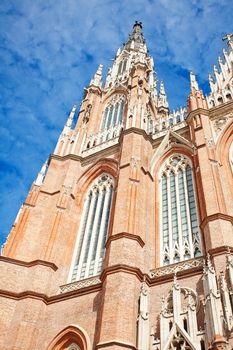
x=136, y=38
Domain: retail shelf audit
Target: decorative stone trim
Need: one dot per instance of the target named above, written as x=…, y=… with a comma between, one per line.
x=79, y=284
x=29, y=263
x=125, y=235
x=174, y=268
x=116, y=343
x=216, y=216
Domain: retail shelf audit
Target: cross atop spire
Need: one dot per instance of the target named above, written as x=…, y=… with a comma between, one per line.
x=137, y=34
x=136, y=38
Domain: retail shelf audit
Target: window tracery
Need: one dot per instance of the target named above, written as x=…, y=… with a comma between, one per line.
x=73, y=346
x=90, y=246
x=180, y=328
x=113, y=113
x=179, y=221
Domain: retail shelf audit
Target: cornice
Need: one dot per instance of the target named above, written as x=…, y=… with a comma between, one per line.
x=127, y=235
x=29, y=263
x=49, y=299
x=201, y=111
x=85, y=160
x=221, y=110
x=213, y=217
x=131, y=270
x=220, y=250
x=66, y=157
x=93, y=288
x=115, y=343
x=100, y=154
x=137, y=131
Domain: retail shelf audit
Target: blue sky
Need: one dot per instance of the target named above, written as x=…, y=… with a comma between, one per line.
x=50, y=50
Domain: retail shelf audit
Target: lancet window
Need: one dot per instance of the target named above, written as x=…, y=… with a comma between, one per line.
x=179, y=219
x=113, y=113
x=122, y=66
x=90, y=246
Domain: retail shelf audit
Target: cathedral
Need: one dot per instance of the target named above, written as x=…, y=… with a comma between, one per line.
x=125, y=239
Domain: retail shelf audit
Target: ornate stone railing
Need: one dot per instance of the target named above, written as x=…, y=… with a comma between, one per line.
x=174, y=268
x=79, y=284
x=174, y=121
x=103, y=139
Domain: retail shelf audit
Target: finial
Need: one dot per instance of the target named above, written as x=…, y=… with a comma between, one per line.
x=118, y=52
x=193, y=82
x=162, y=96
x=220, y=61
x=41, y=175
x=215, y=69
x=224, y=51
x=228, y=38
x=71, y=117
x=211, y=80
x=97, y=79
x=137, y=24
x=162, y=89
x=99, y=70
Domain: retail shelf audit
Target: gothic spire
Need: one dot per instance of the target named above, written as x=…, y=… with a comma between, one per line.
x=193, y=82
x=71, y=117
x=136, y=39
x=162, y=102
x=41, y=175
x=97, y=79
x=211, y=82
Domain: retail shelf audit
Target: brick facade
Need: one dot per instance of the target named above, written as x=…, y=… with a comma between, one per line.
x=40, y=308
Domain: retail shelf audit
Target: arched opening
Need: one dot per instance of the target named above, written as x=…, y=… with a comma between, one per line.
x=71, y=338
x=179, y=226
x=93, y=229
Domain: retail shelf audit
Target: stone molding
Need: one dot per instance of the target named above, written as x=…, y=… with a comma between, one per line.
x=94, y=284
x=80, y=284
x=213, y=217
x=221, y=110
x=125, y=235
x=50, y=299
x=107, y=344
x=29, y=263
x=200, y=111
x=174, y=268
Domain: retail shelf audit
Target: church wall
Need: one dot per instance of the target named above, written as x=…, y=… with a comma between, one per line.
x=120, y=307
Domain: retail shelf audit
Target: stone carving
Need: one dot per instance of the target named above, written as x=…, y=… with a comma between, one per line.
x=174, y=268
x=79, y=284
x=87, y=113
x=219, y=124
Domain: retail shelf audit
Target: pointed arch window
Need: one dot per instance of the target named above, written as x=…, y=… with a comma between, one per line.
x=180, y=237
x=113, y=113
x=90, y=245
x=122, y=66
x=231, y=156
